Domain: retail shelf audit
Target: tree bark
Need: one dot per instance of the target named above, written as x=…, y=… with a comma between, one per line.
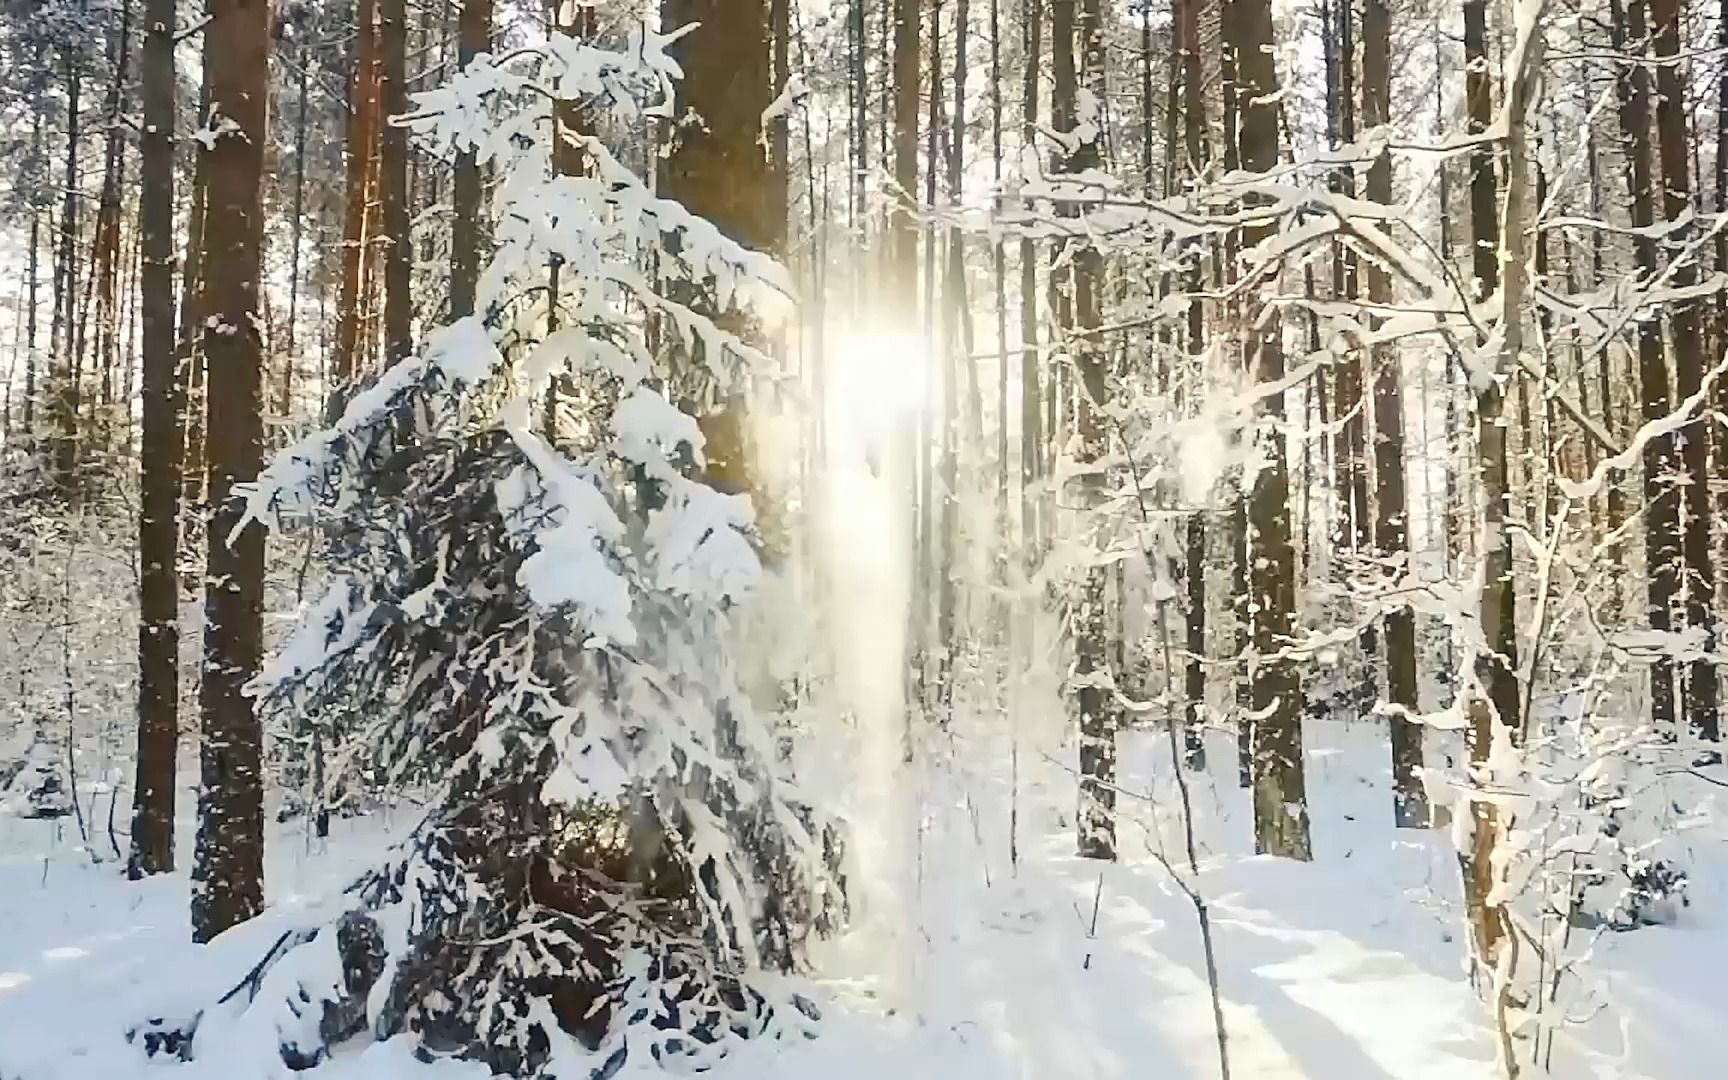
x=152, y=849
x=393, y=182
x=474, y=29
x=228, y=874
x=1391, y=536
x=1662, y=517
x=1278, y=780
x=1698, y=587
x=363, y=104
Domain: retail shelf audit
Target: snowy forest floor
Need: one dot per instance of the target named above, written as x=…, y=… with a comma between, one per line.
x=957, y=964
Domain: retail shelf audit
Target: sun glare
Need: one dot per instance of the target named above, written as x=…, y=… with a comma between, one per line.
x=877, y=382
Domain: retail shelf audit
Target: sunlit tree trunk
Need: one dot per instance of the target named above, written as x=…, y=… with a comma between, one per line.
x=1275, y=759
x=152, y=850
x=1662, y=514
x=474, y=30
x=359, y=222
x=1699, y=585
x=1391, y=521
x=228, y=875
x=1093, y=676
x=393, y=182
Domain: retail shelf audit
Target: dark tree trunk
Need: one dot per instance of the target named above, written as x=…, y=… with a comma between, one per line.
x=359, y=222
x=1092, y=661
x=1662, y=515
x=158, y=524
x=1031, y=413
x=1699, y=584
x=474, y=29
x=228, y=874
x=1278, y=780
x=393, y=182
x=1391, y=528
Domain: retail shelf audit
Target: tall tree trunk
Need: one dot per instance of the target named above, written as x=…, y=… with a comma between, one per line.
x=1278, y=781
x=393, y=182
x=189, y=346
x=1662, y=514
x=297, y=229
x=228, y=874
x=1350, y=455
x=65, y=399
x=107, y=252
x=474, y=29
x=33, y=270
x=1494, y=708
x=158, y=526
x=903, y=291
x=359, y=224
x=719, y=169
x=1031, y=412
x=1699, y=584
x=1187, y=34
x=1391, y=518
x=1093, y=676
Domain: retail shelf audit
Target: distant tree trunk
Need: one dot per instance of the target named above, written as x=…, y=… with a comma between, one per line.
x=1187, y=36
x=107, y=251
x=65, y=393
x=1662, y=543
x=296, y=229
x=1237, y=526
x=359, y=225
x=1699, y=584
x=925, y=584
x=903, y=290
x=954, y=346
x=1350, y=453
x=158, y=526
x=33, y=271
x=393, y=182
x=474, y=27
x=1031, y=413
x=1391, y=520
x=229, y=872
x=1278, y=781
x=1095, y=681
x=189, y=348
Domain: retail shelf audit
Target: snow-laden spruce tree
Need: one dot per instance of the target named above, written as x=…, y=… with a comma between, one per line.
x=535, y=618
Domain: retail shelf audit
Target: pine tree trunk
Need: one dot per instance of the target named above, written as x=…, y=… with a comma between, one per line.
x=393, y=182
x=296, y=232
x=1391, y=535
x=474, y=29
x=1662, y=515
x=1699, y=584
x=65, y=391
x=1031, y=411
x=33, y=271
x=1187, y=22
x=1093, y=677
x=158, y=526
x=228, y=874
x=359, y=225
x=1278, y=781
x=719, y=169
x=189, y=344
x=1494, y=710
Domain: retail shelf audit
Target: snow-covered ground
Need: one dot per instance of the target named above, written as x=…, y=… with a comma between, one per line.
x=960, y=965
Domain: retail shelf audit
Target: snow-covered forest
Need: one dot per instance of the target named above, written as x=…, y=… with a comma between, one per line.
x=861, y=539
